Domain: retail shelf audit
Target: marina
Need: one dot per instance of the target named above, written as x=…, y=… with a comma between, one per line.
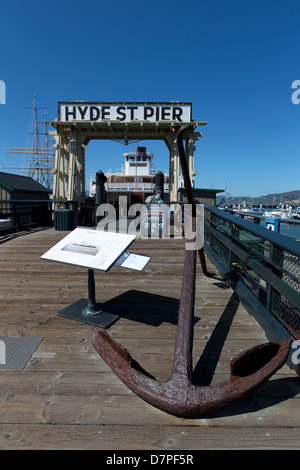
x=290, y=227
x=289, y=223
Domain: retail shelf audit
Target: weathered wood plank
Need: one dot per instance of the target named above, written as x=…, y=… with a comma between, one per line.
x=128, y=409
x=154, y=438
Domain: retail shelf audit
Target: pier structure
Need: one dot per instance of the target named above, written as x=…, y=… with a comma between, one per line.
x=67, y=398
x=80, y=122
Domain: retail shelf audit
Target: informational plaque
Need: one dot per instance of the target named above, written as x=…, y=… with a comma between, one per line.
x=90, y=248
x=132, y=261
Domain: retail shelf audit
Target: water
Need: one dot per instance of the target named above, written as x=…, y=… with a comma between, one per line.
x=289, y=229
x=292, y=230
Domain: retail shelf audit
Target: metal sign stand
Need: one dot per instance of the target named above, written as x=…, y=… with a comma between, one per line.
x=91, y=312
x=92, y=249
x=92, y=308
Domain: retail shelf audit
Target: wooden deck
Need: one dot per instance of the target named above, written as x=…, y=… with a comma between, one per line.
x=68, y=398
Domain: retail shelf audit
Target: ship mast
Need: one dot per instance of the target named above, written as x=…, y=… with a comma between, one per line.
x=42, y=156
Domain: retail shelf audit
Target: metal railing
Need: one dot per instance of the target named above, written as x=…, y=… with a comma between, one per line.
x=138, y=186
x=22, y=213
x=262, y=265
x=19, y=214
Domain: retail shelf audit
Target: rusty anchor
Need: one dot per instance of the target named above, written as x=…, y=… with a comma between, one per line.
x=178, y=395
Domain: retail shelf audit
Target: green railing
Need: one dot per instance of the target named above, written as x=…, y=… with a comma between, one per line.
x=263, y=267
x=24, y=213
x=21, y=214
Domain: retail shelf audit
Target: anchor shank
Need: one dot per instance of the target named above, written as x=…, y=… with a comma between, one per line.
x=182, y=365
x=183, y=164
x=188, y=187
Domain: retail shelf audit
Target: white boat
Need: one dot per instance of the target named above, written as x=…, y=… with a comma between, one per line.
x=246, y=209
x=296, y=213
x=280, y=212
x=273, y=213
x=228, y=207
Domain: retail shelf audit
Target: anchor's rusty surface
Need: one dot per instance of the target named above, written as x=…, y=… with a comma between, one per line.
x=178, y=395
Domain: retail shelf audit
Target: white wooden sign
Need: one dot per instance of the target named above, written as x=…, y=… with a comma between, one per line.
x=124, y=112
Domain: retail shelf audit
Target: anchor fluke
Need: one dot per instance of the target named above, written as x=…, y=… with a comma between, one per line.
x=178, y=395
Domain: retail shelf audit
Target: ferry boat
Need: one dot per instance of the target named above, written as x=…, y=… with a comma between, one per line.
x=136, y=179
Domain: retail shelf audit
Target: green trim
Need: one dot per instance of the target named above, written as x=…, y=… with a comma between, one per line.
x=6, y=186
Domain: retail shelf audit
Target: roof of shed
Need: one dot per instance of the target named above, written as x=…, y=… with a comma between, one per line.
x=21, y=183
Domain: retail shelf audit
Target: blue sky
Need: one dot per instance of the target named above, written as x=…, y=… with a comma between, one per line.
x=234, y=60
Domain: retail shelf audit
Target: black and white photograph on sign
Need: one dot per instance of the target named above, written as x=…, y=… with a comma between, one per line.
x=90, y=248
x=83, y=248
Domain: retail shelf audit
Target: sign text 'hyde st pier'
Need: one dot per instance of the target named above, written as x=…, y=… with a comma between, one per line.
x=124, y=112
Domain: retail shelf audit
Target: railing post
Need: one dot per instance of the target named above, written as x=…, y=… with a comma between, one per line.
x=269, y=301
x=13, y=210
x=30, y=218
x=234, y=232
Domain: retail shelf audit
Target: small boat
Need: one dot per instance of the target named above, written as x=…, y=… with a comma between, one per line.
x=296, y=214
x=280, y=212
x=246, y=209
x=273, y=213
x=229, y=208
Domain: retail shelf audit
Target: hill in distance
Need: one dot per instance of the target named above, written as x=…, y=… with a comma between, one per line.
x=274, y=198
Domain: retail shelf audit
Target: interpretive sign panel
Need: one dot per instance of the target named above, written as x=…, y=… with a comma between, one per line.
x=124, y=112
x=90, y=248
x=132, y=261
